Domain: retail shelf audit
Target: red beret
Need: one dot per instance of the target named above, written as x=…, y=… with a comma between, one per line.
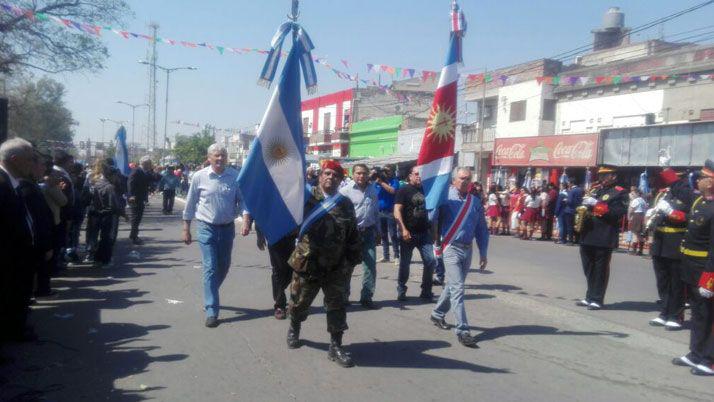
x=669, y=176
x=333, y=165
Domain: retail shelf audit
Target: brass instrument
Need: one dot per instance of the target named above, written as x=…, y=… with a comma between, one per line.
x=583, y=213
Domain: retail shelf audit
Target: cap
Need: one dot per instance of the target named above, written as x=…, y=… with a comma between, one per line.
x=708, y=169
x=607, y=169
x=332, y=164
x=669, y=176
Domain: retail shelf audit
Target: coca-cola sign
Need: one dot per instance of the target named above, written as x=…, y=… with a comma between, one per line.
x=550, y=151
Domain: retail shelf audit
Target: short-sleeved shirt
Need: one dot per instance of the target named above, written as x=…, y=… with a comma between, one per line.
x=386, y=200
x=414, y=212
x=365, y=203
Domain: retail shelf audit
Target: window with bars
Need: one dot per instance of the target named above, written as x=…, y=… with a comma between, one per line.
x=518, y=111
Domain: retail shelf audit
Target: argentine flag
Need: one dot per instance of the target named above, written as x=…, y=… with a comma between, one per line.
x=121, y=156
x=272, y=180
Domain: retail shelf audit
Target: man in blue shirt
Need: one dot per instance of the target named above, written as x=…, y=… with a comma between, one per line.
x=168, y=185
x=387, y=186
x=213, y=200
x=461, y=219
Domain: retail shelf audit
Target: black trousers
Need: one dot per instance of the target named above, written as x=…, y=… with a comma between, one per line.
x=596, y=265
x=137, y=212
x=282, y=272
x=547, y=231
x=670, y=287
x=701, y=341
x=169, y=196
x=16, y=291
x=105, y=229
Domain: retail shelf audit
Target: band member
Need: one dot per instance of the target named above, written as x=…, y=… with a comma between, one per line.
x=600, y=234
x=668, y=220
x=698, y=274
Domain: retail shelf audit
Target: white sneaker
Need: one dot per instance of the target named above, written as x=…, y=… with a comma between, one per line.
x=683, y=361
x=396, y=262
x=672, y=325
x=583, y=303
x=701, y=369
x=383, y=259
x=594, y=306
x=658, y=322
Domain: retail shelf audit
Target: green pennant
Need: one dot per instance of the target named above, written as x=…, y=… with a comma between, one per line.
x=220, y=49
x=398, y=72
x=556, y=80
x=42, y=16
x=488, y=78
x=617, y=79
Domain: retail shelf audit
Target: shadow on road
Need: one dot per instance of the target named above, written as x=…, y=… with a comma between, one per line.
x=408, y=354
x=79, y=356
x=489, y=334
x=644, y=307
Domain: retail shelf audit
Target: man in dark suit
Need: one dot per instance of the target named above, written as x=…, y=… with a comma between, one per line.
x=575, y=199
x=139, y=182
x=16, y=238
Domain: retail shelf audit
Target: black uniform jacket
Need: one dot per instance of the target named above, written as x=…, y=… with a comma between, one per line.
x=698, y=245
x=668, y=235
x=604, y=231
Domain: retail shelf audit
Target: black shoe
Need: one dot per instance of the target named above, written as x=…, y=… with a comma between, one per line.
x=686, y=361
x=437, y=282
x=402, y=296
x=467, y=340
x=368, y=304
x=594, y=306
x=582, y=303
x=439, y=322
x=427, y=296
x=212, y=322
x=137, y=241
x=338, y=355
x=293, y=336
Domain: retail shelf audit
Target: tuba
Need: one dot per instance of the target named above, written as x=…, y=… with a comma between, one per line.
x=583, y=213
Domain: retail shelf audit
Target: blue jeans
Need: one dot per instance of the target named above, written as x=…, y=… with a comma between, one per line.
x=388, y=229
x=457, y=260
x=216, y=242
x=569, y=226
x=421, y=241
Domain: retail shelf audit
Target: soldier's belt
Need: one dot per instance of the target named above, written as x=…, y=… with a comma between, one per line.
x=668, y=229
x=694, y=253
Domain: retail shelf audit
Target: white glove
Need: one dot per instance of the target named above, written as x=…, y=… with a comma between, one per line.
x=650, y=212
x=706, y=293
x=664, y=207
x=589, y=201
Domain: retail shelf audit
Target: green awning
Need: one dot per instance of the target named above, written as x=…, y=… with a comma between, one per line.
x=375, y=138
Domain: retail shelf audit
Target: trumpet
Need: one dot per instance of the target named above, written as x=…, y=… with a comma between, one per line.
x=583, y=214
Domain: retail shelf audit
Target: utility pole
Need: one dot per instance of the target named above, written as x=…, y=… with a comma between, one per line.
x=152, y=88
x=480, y=126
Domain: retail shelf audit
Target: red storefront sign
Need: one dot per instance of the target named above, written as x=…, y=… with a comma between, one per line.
x=550, y=151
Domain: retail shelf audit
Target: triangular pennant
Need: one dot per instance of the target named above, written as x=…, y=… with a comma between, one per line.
x=555, y=81
x=584, y=80
x=347, y=65
x=220, y=49
x=370, y=67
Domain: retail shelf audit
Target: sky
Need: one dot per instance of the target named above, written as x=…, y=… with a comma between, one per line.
x=401, y=33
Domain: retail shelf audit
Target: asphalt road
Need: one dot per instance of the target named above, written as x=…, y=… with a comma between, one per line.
x=136, y=332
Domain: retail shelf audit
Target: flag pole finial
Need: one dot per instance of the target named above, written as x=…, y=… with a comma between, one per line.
x=295, y=12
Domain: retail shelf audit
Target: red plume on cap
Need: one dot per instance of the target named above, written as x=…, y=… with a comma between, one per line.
x=333, y=165
x=669, y=176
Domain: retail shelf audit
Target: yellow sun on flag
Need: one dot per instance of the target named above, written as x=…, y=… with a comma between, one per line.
x=442, y=124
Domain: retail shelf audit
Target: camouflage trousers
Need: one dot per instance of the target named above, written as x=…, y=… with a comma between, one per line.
x=304, y=289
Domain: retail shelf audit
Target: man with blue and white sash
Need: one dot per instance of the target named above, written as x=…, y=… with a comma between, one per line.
x=461, y=219
x=328, y=248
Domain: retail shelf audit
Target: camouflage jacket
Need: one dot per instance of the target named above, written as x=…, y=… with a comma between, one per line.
x=332, y=242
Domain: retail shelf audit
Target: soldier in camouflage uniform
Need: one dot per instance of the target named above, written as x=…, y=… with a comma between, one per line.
x=324, y=259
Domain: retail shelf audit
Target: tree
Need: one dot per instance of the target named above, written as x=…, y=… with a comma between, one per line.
x=193, y=148
x=31, y=38
x=37, y=113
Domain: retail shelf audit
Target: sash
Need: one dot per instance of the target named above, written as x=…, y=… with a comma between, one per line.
x=461, y=217
x=319, y=211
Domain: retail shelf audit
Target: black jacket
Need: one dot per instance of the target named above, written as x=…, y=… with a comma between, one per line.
x=138, y=185
x=604, y=231
x=15, y=236
x=668, y=235
x=42, y=220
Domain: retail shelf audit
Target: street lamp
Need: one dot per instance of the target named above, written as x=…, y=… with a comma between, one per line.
x=168, y=71
x=133, y=115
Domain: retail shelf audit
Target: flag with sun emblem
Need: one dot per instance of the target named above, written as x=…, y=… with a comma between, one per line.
x=436, y=155
x=272, y=180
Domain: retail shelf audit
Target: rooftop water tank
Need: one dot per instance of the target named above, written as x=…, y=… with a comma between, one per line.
x=613, y=19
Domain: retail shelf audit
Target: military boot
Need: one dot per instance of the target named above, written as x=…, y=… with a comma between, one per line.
x=294, y=335
x=337, y=353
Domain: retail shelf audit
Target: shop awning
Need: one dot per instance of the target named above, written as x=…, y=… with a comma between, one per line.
x=375, y=138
